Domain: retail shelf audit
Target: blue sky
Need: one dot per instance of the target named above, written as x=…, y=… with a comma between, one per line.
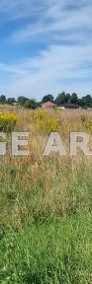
x=45, y=47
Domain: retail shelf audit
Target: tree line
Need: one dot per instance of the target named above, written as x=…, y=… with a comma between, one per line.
x=85, y=101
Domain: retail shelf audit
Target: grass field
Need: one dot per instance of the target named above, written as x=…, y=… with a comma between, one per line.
x=46, y=204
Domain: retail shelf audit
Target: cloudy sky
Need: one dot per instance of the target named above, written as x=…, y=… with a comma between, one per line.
x=45, y=47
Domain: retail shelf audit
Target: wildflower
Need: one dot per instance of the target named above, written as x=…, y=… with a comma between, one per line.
x=8, y=120
x=44, y=122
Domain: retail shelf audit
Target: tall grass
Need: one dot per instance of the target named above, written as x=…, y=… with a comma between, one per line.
x=46, y=209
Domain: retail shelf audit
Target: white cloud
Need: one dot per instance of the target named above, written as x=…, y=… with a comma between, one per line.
x=65, y=28
x=53, y=17
x=49, y=21
x=54, y=70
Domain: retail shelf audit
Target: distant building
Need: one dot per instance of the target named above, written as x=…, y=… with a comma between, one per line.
x=14, y=104
x=69, y=106
x=48, y=105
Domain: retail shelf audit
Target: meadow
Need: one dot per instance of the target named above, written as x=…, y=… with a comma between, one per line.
x=45, y=202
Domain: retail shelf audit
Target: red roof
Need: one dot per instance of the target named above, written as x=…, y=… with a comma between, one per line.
x=48, y=104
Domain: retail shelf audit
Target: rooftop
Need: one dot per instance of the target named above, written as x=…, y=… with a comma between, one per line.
x=48, y=104
x=70, y=105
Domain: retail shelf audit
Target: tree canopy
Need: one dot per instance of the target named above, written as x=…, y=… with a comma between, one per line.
x=85, y=101
x=62, y=98
x=47, y=98
x=2, y=99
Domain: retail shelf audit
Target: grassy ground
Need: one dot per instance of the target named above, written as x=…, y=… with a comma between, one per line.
x=46, y=207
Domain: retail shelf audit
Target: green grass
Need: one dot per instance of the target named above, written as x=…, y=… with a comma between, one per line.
x=55, y=251
x=45, y=237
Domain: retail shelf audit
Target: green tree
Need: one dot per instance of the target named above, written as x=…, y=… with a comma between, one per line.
x=67, y=98
x=22, y=100
x=2, y=99
x=10, y=101
x=81, y=102
x=87, y=100
x=47, y=98
x=74, y=98
x=30, y=104
x=61, y=98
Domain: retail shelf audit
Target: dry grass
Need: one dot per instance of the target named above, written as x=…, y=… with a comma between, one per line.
x=44, y=179
x=45, y=206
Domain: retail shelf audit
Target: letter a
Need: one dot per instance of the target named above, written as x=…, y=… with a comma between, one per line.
x=54, y=136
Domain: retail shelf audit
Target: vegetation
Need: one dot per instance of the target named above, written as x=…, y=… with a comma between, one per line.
x=31, y=104
x=46, y=205
x=43, y=121
x=8, y=120
x=47, y=98
x=2, y=99
x=11, y=101
x=85, y=102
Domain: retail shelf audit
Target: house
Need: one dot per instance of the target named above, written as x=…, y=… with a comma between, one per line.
x=69, y=106
x=48, y=104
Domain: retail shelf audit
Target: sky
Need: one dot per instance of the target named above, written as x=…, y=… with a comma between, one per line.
x=45, y=47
